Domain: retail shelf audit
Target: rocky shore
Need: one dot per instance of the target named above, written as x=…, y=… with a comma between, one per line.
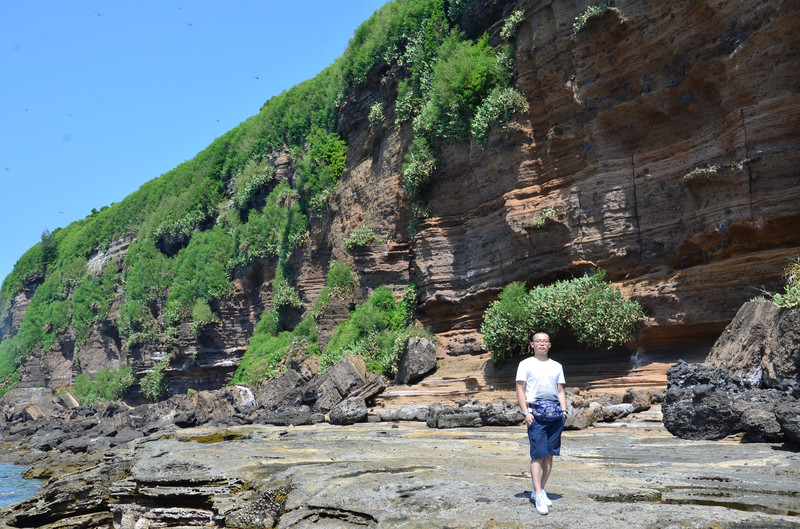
x=404, y=474
x=310, y=449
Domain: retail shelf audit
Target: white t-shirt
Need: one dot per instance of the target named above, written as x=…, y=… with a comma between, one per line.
x=541, y=378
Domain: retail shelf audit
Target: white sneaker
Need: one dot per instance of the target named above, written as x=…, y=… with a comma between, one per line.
x=546, y=499
x=541, y=506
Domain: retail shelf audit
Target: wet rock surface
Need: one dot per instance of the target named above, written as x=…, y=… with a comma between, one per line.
x=407, y=475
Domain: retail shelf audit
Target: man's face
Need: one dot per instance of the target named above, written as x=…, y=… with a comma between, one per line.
x=540, y=343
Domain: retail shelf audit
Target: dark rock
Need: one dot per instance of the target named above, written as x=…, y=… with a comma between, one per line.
x=640, y=399
x=295, y=415
x=788, y=416
x=708, y=415
x=615, y=412
x=349, y=411
x=762, y=426
x=330, y=388
x=281, y=391
x=501, y=413
x=703, y=402
x=374, y=386
x=418, y=361
x=761, y=345
x=454, y=417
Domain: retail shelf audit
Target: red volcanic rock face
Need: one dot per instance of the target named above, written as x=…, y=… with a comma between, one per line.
x=662, y=135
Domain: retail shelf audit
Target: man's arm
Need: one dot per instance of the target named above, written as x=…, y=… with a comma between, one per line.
x=562, y=398
x=523, y=401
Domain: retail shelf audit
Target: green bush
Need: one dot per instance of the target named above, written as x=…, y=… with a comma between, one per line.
x=594, y=311
x=496, y=109
x=257, y=177
x=202, y=315
x=375, y=115
x=265, y=351
x=420, y=163
x=274, y=232
x=320, y=168
x=108, y=385
x=463, y=75
x=200, y=274
x=360, y=237
x=540, y=220
x=339, y=281
x=155, y=384
x=375, y=331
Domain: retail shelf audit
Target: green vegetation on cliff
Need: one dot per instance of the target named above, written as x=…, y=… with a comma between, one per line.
x=193, y=227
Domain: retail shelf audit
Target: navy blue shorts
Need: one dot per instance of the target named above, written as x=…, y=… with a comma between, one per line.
x=545, y=438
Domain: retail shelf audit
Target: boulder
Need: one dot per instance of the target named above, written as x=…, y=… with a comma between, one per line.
x=615, y=412
x=330, y=388
x=703, y=402
x=454, y=417
x=374, y=386
x=28, y=403
x=581, y=417
x=788, y=416
x=761, y=346
x=350, y=411
x=640, y=399
x=762, y=425
x=413, y=413
x=418, y=361
x=285, y=390
x=501, y=413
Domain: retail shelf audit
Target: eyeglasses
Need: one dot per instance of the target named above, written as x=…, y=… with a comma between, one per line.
x=540, y=341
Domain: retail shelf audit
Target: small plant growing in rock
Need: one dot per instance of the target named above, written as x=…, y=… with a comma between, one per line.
x=580, y=20
x=375, y=115
x=791, y=295
x=360, y=237
x=511, y=24
x=539, y=220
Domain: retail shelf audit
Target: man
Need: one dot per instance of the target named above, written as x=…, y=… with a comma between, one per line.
x=541, y=379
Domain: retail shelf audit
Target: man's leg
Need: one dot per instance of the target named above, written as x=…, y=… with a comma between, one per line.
x=546, y=465
x=537, y=474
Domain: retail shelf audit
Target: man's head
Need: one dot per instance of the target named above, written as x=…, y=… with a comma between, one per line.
x=540, y=343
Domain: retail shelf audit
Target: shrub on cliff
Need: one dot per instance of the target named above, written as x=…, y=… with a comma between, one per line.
x=155, y=384
x=594, y=311
x=376, y=331
x=108, y=385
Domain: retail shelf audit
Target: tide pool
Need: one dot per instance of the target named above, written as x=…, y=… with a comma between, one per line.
x=13, y=488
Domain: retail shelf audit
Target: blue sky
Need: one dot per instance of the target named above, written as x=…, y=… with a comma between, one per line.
x=98, y=97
